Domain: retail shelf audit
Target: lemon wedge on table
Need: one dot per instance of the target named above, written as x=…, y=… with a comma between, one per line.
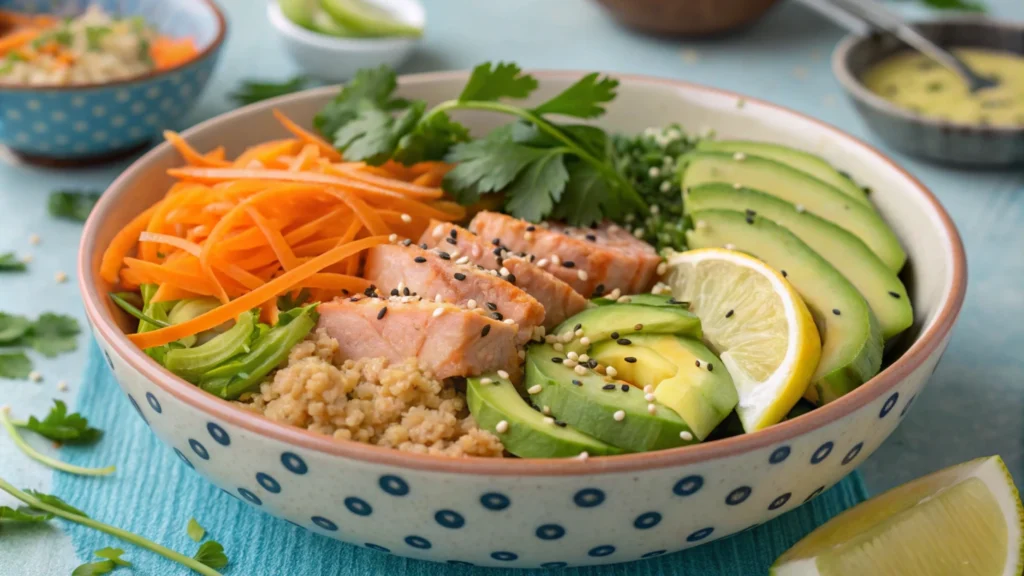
x=755, y=322
x=962, y=521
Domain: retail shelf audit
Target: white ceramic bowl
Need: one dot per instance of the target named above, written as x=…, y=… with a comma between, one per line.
x=529, y=513
x=337, y=59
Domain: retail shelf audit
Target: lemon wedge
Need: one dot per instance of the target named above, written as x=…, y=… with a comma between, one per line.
x=962, y=521
x=755, y=322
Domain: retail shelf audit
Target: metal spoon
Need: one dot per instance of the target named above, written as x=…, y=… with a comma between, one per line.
x=856, y=14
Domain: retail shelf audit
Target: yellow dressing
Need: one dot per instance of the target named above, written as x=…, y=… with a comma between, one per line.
x=913, y=81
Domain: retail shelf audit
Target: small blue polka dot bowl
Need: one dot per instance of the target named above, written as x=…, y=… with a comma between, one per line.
x=91, y=123
x=538, y=513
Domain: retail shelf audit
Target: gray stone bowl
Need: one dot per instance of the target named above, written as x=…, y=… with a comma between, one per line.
x=929, y=138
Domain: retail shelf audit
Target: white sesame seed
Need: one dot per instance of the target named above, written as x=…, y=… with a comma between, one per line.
x=580, y=370
x=573, y=356
x=437, y=312
x=651, y=408
x=611, y=371
x=60, y=277
x=624, y=300
x=662, y=268
x=567, y=337
x=583, y=456
x=474, y=250
x=527, y=236
x=654, y=172
x=35, y=376
x=649, y=397
x=658, y=289
x=401, y=286
x=585, y=341
x=686, y=436
x=582, y=275
x=471, y=304
x=739, y=156
x=438, y=230
x=555, y=259
x=405, y=299
x=540, y=331
x=535, y=389
x=578, y=333
x=619, y=415
x=569, y=363
x=800, y=208
x=503, y=374
x=549, y=420
x=648, y=389
x=558, y=345
x=509, y=321
x=27, y=258
x=639, y=233
x=406, y=218
x=393, y=238
x=486, y=381
x=614, y=294
x=542, y=262
x=584, y=358
x=665, y=186
x=34, y=239
x=455, y=254
x=551, y=339
x=502, y=427
x=463, y=260
x=438, y=299
x=730, y=246
x=62, y=386
x=546, y=410
x=504, y=271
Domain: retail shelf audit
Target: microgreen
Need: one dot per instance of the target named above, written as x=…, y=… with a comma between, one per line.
x=9, y=262
x=63, y=427
x=114, y=555
x=289, y=302
x=128, y=307
x=211, y=553
x=15, y=365
x=195, y=531
x=251, y=91
x=31, y=452
x=72, y=204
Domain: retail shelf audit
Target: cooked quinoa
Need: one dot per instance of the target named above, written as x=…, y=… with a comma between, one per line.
x=370, y=401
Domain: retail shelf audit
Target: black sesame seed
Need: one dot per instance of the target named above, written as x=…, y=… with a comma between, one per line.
x=560, y=424
x=557, y=360
x=698, y=363
x=894, y=295
x=591, y=364
x=531, y=228
x=460, y=276
x=345, y=292
x=419, y=259
x=580, y=325
x=599, y=291
x=453, y=233
x=784, y=275
x=630, y=359
x=382, y=312
x=608, y=387
x=711, y=367
x=614, y=335
x=496, y=241
x=407, y=242
x=354, y=299
x=729, y=314
x=444, y=255
x=750, y=219
x=451, y=241
x=497, y=316
x=568, y=264
x=496, y=251
x=750, y=212
x=395, y=292
x=835, y=311
x=423, y=245
x=371, y=291
x=591, y=237
x=624, y=341
x=406, y=291
x=492, y=306
x=511, y=278
x=577, y=383
x=625, y=387
x=486, y=330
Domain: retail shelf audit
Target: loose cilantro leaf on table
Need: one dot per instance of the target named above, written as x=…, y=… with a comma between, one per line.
x=211, y=553
x=9, y=262
x=251, y=91
x=63, y=427
x=55, y=502
x=13, y=328
x=23, y=514
x=195, y=531
x=15, y=365
x=72, y=204
x=53, y=334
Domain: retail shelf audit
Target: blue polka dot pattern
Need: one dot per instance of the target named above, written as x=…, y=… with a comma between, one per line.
x=647, y=520
x=450, y=519
x=601, y=551
x=154, y=403
x=418, y=542
x=358, y=506
x=293, y=463
x=780, y=501
x=377, y=548
x=853, y=453
x=819, y=490
x=183, y=458
x=890, y=403
x=588, y=498
x=252, y=498
x=109, y=361
x=393, y=485
x=219, y=434
x=505, y=556
x=554, y=565
x=821, y=453
x=550, y=532
x=738, y=496
x=689, y=485
x=268, y=483
x=459, y=563
x=907, y=406
x=700, y=534
x=326, y=524
x=779, y=455
x=138, y=409
x=654, y=553
x=495, y=501
x=199, y=449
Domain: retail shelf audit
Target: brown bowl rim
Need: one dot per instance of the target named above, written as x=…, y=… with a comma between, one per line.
x=855, y=88
x=927, y=344
x=222, y=26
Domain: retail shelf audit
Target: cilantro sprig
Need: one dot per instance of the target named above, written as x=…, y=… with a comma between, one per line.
x=12, y=431
x=9, y=262
x=62, y=427
x=544, y=168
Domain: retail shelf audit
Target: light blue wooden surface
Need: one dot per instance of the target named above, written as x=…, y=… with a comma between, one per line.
x=974, y=404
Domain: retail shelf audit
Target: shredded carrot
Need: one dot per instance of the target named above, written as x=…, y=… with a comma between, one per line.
x=189, y=154
x=277, y=242
x=18, y=38
x=413, y=190
x=170, y=293
x=308, y=137
x=123, y=243
x=168, y=52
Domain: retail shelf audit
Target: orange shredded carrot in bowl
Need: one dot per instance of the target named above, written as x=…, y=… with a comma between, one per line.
x=282, y=216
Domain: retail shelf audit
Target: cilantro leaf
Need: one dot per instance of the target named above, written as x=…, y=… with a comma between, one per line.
x=23, y=514
x=13, y=328
x=114, y=555
x=374, y=85
x=212, y=554
x=72, y=204
x=537, y=189
x=94, y=568
x=583, y=99
x=503, y=80
x=487, y=165
x=373, y=134
x=15, y=365
x=251, y=91
x=288, y=302
x=63, y=427
x=587, y=198
x=9, y=262
x=56, y=502
x=195, y=531
x=53, y=334
x=430, y=139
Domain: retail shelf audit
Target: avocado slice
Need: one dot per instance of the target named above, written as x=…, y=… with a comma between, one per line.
x=802, y=161
x=584, y=402
x=645, y=300
x=677, y=368
x=601, y=322
x=876, y=282
x=798, y=188
x=528, y=434
x=851, y=348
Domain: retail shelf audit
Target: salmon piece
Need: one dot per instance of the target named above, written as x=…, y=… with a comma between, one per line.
x=594, y=261
x=434, y=272
x=558, y=298
x=452, y=342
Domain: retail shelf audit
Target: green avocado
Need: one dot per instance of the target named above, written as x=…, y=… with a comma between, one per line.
x=589, y=403
x=803, y=161
x=851, y=341
x=876, y=282
x=529, y=434
x=800, y=189
x=644, y=299
x=623, y=319
x=677, y=369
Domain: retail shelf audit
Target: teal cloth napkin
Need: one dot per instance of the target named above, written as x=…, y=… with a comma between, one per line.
x=154, y=494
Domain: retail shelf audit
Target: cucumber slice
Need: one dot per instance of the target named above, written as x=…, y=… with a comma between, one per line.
x=365, y=19
x=193, y=363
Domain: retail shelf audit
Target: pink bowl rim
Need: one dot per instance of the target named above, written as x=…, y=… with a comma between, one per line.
x=928, y=343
